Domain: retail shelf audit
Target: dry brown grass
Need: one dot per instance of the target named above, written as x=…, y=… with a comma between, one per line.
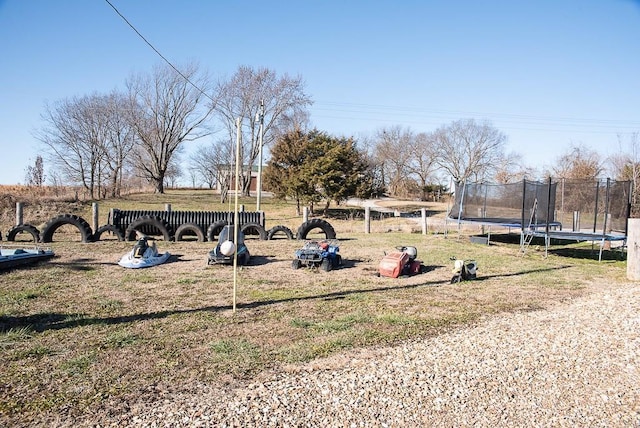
x=80, y=334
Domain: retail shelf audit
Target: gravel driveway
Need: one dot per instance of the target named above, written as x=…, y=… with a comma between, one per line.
x=574, y=365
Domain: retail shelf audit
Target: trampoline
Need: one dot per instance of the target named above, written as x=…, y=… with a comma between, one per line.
x=540, y=209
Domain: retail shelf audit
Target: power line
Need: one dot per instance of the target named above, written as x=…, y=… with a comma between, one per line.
x=433, y=117
x=414, y=109
x=422, y=116
x=158, y=52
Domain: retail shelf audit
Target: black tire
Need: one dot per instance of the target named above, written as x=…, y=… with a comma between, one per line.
x=279, y=229
x=148, y=222
x=253, y=229
x=243, y=259
x=27, y=228
x=337, y=262
x=316, y=223
x=189, y=229
x=296, y=264
x=214, y=229
x=74, y=220
x=110, y=230
x=325, y=265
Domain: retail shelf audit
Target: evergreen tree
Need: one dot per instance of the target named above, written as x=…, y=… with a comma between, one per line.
x=312, y=167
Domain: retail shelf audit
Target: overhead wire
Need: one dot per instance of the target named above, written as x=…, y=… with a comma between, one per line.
x=158, y=52
x=422, y=116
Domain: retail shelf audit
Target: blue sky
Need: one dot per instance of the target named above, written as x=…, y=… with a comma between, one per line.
x=547, y=73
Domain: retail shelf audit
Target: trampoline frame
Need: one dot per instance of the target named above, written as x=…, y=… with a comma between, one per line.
x=550, y=229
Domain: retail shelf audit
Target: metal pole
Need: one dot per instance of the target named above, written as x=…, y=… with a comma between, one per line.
x=595, y=211
x=235, y=218
x=464, y=187
x=261, y=137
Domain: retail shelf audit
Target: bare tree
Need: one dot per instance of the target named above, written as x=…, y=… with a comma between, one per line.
x=393, y=152
x=423, y=161
x=241, y=96
x=469, y=150
x=376, y=171
x=578, y=162
x=225, y=166
x=173, y=173
x=626, y=164
x=73, y=134
x=205, y=162
x=511, y=168
x=34, y=175
x=168, y=108
x=214, y=163
x=119, y=140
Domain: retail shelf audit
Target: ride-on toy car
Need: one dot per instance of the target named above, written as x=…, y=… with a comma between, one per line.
x=223, y=253
x=400, y=263
x=322, y=254
x=463, y=270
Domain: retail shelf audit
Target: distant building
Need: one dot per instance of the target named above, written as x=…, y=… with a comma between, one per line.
x=253, y=186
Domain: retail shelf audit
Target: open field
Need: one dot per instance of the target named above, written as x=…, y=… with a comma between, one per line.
x=80, y=335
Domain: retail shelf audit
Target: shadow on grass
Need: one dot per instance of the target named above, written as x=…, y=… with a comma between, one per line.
x=261, y=260
x=88, y=264
x=58, y=321
x=562, y=248
x=587, y=253
x=82, y=265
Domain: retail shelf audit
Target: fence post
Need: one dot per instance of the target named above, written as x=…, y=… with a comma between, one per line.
x=367, y=219
x=94, y=212
x=167, y=207
x=424, y=220
x=633, y=249
x=607, y=244
x=18, y=213
x=576, y=221
x=305, y=214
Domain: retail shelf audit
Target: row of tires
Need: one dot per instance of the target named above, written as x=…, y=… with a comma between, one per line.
x=156, y=225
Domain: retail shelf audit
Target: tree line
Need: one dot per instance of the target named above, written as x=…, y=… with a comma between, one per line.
x=103, y=142
x=107, y=142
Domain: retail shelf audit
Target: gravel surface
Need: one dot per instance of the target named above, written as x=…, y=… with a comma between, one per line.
x=574, y=365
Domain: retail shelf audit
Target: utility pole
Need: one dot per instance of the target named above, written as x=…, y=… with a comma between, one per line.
x=260, y=117
x=236, y=219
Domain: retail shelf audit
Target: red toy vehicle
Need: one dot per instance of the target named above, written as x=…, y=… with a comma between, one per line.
x=400, y=263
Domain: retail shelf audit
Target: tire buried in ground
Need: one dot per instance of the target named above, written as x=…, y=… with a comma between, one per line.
x=72, y=219
x=26, y=228
x=148, y=225
x=214, y=229
x=109, y=230
x=278, y=230
x=316, y=223
x=189, y=229
x=252, y=229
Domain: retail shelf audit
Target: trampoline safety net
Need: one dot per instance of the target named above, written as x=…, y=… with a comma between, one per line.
x=597, y=206
x=505, y=204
